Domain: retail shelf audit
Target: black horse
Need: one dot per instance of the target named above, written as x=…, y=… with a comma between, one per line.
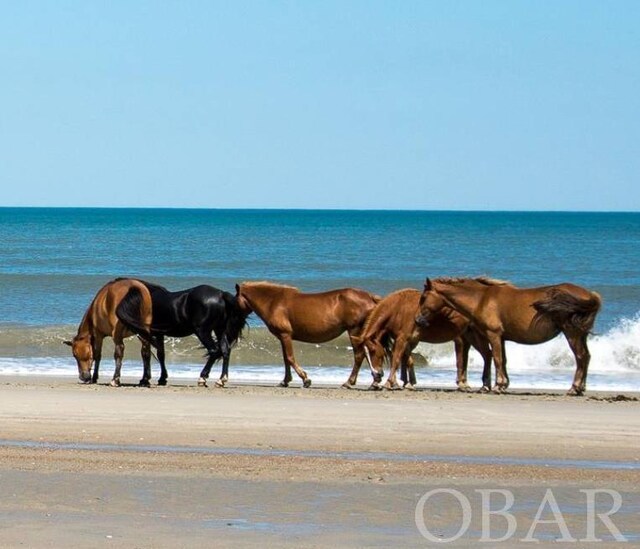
x=200, y=311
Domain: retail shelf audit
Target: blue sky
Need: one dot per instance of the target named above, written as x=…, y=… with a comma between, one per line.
x=476, y=105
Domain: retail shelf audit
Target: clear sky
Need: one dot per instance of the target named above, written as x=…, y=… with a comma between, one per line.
x=461, y=105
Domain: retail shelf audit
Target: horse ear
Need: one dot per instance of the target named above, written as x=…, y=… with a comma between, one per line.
x=427, y=284
x=237, y=289
x=67, y=342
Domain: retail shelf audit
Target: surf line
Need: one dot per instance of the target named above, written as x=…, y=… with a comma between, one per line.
x=361, y=456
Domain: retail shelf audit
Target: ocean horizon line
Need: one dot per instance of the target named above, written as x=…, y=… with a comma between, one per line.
x=319, y=210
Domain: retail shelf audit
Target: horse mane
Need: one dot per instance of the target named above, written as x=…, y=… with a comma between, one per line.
x=236, y=318
x=268, y=285
x=487, y=281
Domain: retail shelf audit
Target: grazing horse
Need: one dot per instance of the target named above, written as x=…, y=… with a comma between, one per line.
x=100, y=321
x=309, y=317
x=200, y=311
x=525, y=315
x=392, y=325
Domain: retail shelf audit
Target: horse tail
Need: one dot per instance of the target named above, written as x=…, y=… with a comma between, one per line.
x=236, y=318
x=387, y=342
x=373, y=323
x=128, y=312
x=570, y=311
x=374, y=330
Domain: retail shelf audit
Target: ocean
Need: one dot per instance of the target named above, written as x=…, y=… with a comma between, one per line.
x=52, y=262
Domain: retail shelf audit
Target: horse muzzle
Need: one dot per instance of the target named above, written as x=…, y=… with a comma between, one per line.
x=84, y=377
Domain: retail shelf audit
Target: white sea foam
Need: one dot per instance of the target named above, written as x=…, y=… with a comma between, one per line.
x=615, y=365
x=615, y=361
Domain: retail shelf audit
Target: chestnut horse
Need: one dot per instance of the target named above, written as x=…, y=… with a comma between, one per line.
x=100, y=321
x=392, y=323
x=309, y=317
x=201, y=311
x=530, y=316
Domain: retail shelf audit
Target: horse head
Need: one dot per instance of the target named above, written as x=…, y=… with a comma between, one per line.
x=82, y=349
x=241, y=299
x=430, y=304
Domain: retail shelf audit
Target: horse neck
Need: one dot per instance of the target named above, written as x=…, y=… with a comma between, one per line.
x=462, y=298
x=259, y=300
x=86, y=324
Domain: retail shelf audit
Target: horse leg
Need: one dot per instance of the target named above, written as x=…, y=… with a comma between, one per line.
x=499, y=359
x=461, y=346
x=578, y=344
x=409, y=371
x=118, y=353
x=481, y=345
x=145, y=353
x=376, y=354
x=358, y=356
x=146, y=360
x=162, y=380
x=290, y=360
x=505, y=374
x=399, y=349
x=225, y=352
x=403, y=372
x=97, y=356
x=205, y=337
x=204, y=374
x=412, y=371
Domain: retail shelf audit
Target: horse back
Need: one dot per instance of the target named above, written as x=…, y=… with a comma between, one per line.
x=533, y=315
x=317, y=317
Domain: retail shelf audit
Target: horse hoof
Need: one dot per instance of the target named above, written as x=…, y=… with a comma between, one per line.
x=347, y=385
x=219, y=383
x=202, y=382
x=144, y=383
x=283, y=384
x=162, y=382
x=375, y=387
x=306, y=383
x=575, y=392
x=410, y=387
x=485, y=389
x=114, y=383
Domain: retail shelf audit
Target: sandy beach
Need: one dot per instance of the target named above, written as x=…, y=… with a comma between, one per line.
x=180, y=466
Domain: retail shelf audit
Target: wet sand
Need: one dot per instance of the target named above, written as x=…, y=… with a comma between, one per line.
x=95, y=466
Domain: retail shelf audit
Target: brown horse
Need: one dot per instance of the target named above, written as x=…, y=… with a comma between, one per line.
x=524, y=315
x=100, y=321
x=313, y=318
x=393, y=321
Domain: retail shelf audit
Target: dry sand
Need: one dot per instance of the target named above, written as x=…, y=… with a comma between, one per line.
x=182, y=466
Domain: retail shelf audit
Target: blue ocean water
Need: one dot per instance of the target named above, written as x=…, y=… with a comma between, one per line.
x=52, y=261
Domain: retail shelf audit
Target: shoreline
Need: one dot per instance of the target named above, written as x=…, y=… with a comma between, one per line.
x=256, y=465
x=246, y=415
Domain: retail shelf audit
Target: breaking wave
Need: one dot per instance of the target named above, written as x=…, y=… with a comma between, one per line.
x=615, y=362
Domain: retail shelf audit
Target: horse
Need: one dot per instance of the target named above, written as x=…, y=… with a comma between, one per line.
x=503, y=312
x=100, y=321
x=392, y=321
x=292, y=315
x=195, y=311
